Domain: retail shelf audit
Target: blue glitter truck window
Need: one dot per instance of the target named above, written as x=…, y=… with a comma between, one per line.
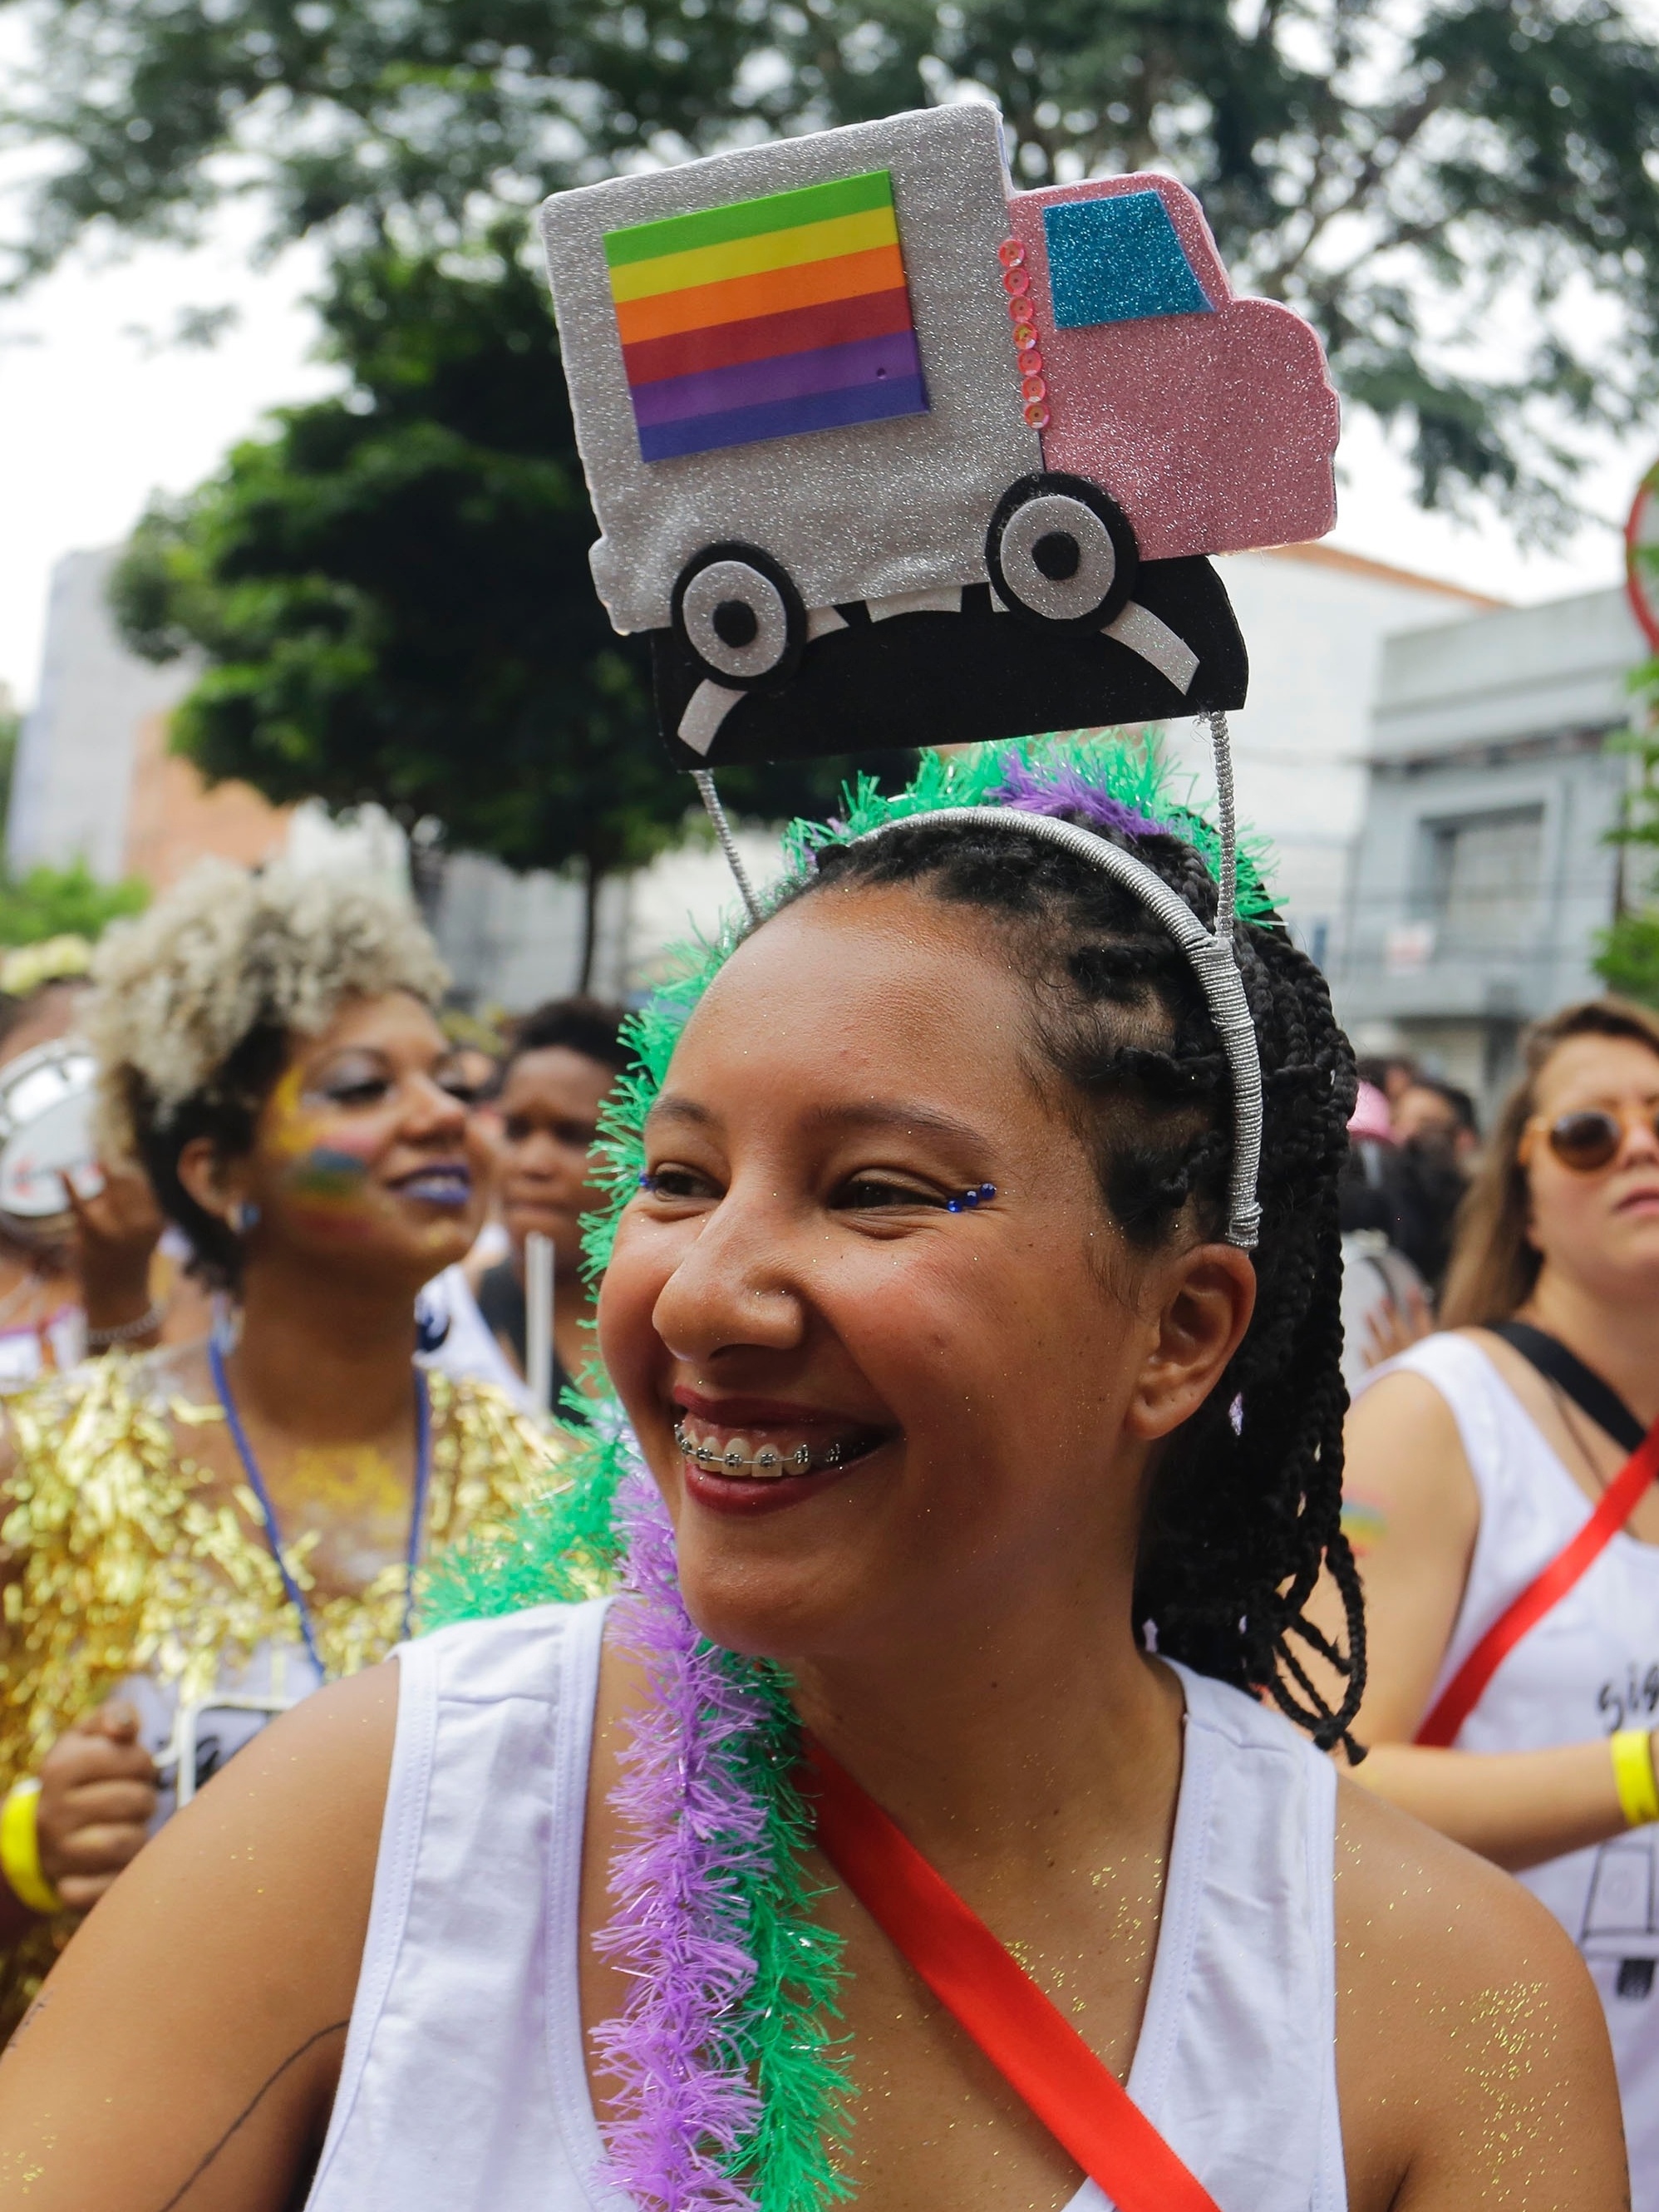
x=1117, y=258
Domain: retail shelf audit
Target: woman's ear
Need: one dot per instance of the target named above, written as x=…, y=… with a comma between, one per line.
x=1206, y=1297
x=208, y=1178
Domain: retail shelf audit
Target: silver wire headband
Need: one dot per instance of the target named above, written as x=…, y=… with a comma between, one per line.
x=1210, y=955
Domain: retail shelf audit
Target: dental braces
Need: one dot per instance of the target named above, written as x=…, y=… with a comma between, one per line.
x=801, y=1461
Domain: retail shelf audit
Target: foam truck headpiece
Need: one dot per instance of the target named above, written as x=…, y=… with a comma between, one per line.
x=886, y=452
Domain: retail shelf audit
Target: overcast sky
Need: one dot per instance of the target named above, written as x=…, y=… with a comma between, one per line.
x=96, y=414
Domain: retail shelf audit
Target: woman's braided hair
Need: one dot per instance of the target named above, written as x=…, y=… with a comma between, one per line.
x=1247, y=1498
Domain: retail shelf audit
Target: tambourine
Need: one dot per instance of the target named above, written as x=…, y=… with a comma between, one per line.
x=45, y=1137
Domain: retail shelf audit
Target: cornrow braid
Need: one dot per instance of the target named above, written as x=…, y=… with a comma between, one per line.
x=1245, y=1511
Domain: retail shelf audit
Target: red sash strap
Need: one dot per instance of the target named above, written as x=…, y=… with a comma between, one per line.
x=1618, y=1502
x=1035, y=2049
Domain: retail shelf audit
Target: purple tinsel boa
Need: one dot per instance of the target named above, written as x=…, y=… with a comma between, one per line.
x=1058, y=790
x=678, y=1930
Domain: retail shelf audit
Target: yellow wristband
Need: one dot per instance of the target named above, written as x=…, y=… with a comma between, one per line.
x=19, y=1848
x=1633, y=1776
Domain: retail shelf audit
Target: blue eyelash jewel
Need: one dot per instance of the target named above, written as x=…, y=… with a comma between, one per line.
x=976, y=1195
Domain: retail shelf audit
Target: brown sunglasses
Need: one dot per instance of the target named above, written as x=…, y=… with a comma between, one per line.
x=1588, y=1141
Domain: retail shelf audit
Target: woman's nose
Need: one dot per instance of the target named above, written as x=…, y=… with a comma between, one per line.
x=540, y=1153
x=734, y=1286
x=433, y=1111
x=1641, y=1144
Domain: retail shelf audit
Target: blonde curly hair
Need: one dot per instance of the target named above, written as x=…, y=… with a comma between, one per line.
x=229, y=955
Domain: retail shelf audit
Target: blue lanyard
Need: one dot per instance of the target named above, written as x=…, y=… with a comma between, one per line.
x=297, y=1596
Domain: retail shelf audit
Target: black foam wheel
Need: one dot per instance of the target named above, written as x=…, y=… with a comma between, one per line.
x=738, y=611
x=1062, y=553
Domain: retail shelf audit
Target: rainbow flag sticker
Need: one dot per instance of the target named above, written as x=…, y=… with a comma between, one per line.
x=766, y=318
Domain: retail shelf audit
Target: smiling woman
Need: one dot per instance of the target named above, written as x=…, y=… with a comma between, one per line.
x=198, y=1538
x=915, y=1799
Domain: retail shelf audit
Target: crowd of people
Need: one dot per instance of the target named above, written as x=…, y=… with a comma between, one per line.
x=1411, y=1142
x=978, y=1487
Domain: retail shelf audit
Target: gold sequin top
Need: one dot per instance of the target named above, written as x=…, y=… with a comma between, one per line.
x=123, y=1556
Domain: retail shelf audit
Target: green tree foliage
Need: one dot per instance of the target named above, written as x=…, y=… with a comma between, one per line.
x=1627, y=957
x=1418, y=180
x=64, y=902
x=11, y=729
x=392, y=593
x=1627, y=953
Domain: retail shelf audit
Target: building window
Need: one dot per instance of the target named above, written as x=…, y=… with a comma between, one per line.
x=1483, y=877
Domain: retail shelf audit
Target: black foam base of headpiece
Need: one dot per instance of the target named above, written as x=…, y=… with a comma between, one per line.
x=941, y=678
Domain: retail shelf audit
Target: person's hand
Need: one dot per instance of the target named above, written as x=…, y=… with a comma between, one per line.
x=117, y=1229
x=1393, y=1329
x=97, y=1798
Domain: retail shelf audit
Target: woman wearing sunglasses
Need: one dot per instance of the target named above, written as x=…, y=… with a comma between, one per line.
x=1512, y=1577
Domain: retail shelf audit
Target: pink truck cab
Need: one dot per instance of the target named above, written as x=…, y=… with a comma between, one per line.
x=1209, y=419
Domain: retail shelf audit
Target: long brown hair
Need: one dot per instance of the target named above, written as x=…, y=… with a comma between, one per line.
x=1493, y=1265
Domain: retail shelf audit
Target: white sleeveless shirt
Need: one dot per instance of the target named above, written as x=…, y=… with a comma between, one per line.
x=462, y=2087
x=1590, y=1666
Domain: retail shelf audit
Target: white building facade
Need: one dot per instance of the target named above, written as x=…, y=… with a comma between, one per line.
x=1315, y=621
x=1484, y=872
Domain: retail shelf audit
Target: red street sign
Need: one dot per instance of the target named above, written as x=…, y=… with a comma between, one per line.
x=1641, y=557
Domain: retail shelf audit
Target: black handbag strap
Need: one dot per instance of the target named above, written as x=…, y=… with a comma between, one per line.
x=1581, y=1384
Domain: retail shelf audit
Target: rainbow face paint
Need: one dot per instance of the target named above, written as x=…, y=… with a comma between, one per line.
x=328, y=1173
x=324, y=1169
x=1364, y=1524
x=332, y=1130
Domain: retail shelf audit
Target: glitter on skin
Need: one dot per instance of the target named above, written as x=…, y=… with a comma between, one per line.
x=1510, y=2031
x=1498, y=2042
x=345, y=1479
x=1127, y=1908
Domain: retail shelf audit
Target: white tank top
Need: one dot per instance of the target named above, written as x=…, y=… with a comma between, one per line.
x=1590, y=1666
x=462, y=2087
